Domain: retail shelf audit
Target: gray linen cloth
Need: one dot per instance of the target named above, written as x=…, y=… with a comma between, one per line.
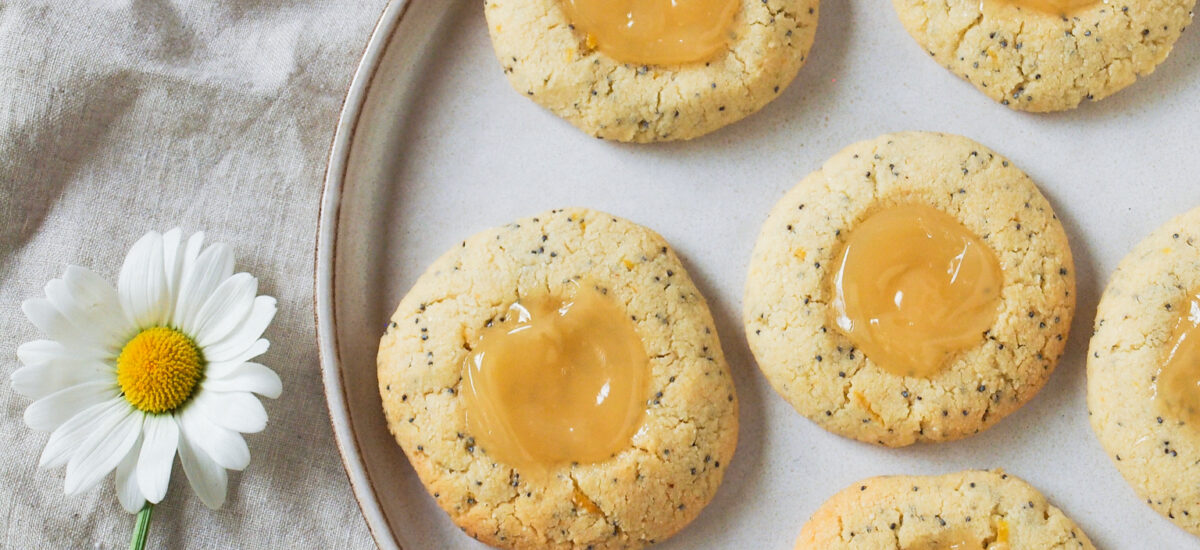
x=122, y=116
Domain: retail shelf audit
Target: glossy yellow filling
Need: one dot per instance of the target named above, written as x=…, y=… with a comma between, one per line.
x=560, y=379
x=1053, y=7
x=913, y=286
x=1178, y=382
x=654, y=32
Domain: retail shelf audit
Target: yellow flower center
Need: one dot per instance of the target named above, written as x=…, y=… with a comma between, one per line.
x=158, y=369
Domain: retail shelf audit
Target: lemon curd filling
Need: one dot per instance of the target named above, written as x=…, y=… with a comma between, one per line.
x=158, y=369
x=1053, y=7
x=654, y=32
x=1177, y=388
x=559, y=379
x=963, y=539
x=913, y=286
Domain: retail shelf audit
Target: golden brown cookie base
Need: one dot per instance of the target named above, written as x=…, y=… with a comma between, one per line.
x=1158, y=455
x=973, y=508
x=646, y=492
x=548, y=61
x=818, y=370
x=1035, y=61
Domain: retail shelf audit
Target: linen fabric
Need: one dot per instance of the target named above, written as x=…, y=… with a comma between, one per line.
x=118, y=117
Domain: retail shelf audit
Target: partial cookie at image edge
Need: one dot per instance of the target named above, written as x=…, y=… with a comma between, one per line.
x=1033, y=61
x=554, y=66
x=1158, y=456
x=972, y=508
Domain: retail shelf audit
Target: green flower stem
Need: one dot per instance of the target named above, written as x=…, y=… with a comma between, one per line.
x=141, y=528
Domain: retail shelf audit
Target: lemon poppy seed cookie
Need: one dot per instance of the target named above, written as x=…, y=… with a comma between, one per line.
x=557, y=382
x=651, y=71
x=918, y=287
x=1144, y=368
x=1047, y=55
x=971, y=509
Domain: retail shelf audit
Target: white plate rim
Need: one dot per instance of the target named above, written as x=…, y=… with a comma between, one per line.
x=323, y=285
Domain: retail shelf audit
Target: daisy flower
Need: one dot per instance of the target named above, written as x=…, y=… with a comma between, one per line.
x=130, y=377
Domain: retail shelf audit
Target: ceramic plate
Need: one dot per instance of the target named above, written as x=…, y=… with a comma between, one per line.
x=433, y=146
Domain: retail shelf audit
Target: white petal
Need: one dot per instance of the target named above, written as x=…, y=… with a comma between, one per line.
x=65, y=441
x=250, y=329
x=187, y=263
x=82, y=318
x=128, y=492
x=50, y=366
x=247, y=377
x=43, y=352
x=85, y=285
x=173, y=267
x=226, y=447
x=38, y=382
x=218, y=369
x=101, y=302
x=42, y=313
x=225, y=309
x=142, y=285
x=101, y=452
x=50, y=412
x=214, y=265
x=40, y=352
x=91, y=306
x=207, y=477
x=237, y=411
x=157, y=456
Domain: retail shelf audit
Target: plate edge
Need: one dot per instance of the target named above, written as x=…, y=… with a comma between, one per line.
x=323, y=273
